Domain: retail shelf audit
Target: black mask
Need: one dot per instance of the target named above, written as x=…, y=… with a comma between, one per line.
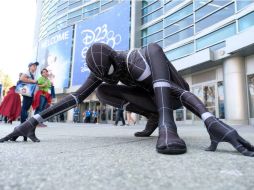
x=100, y=59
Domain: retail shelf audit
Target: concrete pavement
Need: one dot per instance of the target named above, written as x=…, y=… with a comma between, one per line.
x=94, y=157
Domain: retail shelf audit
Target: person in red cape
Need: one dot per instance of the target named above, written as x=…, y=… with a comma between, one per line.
x=11, y=105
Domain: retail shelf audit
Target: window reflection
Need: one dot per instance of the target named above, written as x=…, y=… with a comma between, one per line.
x=178, y=15
x=221, y=100
x=251, y=94
x=179, y=25
x=149, y=9
x=171, y=4
x=179, y=115
x=180, y=51
x=210, y=7
x=209, y=98
x=246, y=21
x=152, y=29
x=179, y=36
x=215, y=17
x=152, y=38
x=152, y=16
x=200, y=3
x=243, y=3
x=206, y=94
x=215, y=37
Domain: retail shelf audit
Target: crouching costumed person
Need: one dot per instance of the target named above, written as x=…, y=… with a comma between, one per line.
x=151, y=87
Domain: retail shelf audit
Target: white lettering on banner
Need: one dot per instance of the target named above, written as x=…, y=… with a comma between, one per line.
x=57, y=38
x=100, y=34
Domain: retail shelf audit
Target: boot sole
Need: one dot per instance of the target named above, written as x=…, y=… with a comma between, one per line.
x=171, y=151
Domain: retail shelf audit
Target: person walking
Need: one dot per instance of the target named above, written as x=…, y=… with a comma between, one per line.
x=88, y=116
x=130, y=119
x=42, y=97
x=76, y=113
x=119, y=116
x=95, y=116
x=27, y=77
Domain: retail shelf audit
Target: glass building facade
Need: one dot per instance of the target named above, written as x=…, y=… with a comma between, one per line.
x=199, y=37
x=178, y=24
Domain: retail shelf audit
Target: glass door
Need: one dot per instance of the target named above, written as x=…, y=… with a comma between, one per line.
x=207, y=94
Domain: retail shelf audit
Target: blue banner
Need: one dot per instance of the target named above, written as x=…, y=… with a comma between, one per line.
x=55, y=54
x=110, y=27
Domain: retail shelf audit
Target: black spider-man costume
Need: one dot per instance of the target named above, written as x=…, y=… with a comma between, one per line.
x=151, y=86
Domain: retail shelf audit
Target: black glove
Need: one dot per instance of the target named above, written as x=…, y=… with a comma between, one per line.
x=26, y=129
x=221, y=132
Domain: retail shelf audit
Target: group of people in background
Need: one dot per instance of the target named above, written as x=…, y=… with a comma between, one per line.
x=88, y=116
x=92, y=116
x=11, y=107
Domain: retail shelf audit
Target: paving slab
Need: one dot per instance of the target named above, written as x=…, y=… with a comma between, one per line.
x=102, y=156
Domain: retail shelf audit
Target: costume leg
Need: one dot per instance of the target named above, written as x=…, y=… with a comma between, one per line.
x=164, y=87
x=168, y=141
x=132, y=99
x=27, y=128
x=218, y=131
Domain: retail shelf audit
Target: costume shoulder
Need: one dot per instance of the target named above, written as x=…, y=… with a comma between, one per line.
x=137, y=65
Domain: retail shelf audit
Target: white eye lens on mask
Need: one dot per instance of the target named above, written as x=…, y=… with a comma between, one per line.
x=111, y=70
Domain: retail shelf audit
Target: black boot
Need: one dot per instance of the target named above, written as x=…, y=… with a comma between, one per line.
x=14, y=138
x=169, y=142
x=151, y=125
x=221, y=132
x=26, y=129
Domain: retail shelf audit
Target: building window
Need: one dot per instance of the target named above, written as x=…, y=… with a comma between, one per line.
x=186, y=11
x=215, y=17
x=152, y=38
x=62, y=5
x=180, y=51
x=147, y=2
x=171, y=4
x=107, y=4
x=152, y=16
x=243, y=3
x=179, y=36
x=75, y=13
x=251, y=94
x=200, y=3
x=151, y=8
x=210, y=7
x=215, y=37
x=152, y=29
x=246, y=21
x=91, y=9
x=75, y=3
x=177, y=26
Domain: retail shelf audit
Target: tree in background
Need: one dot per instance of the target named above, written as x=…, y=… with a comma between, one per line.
x=6, y=82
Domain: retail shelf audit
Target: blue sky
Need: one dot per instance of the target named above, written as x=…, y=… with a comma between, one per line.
x=17, y=19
